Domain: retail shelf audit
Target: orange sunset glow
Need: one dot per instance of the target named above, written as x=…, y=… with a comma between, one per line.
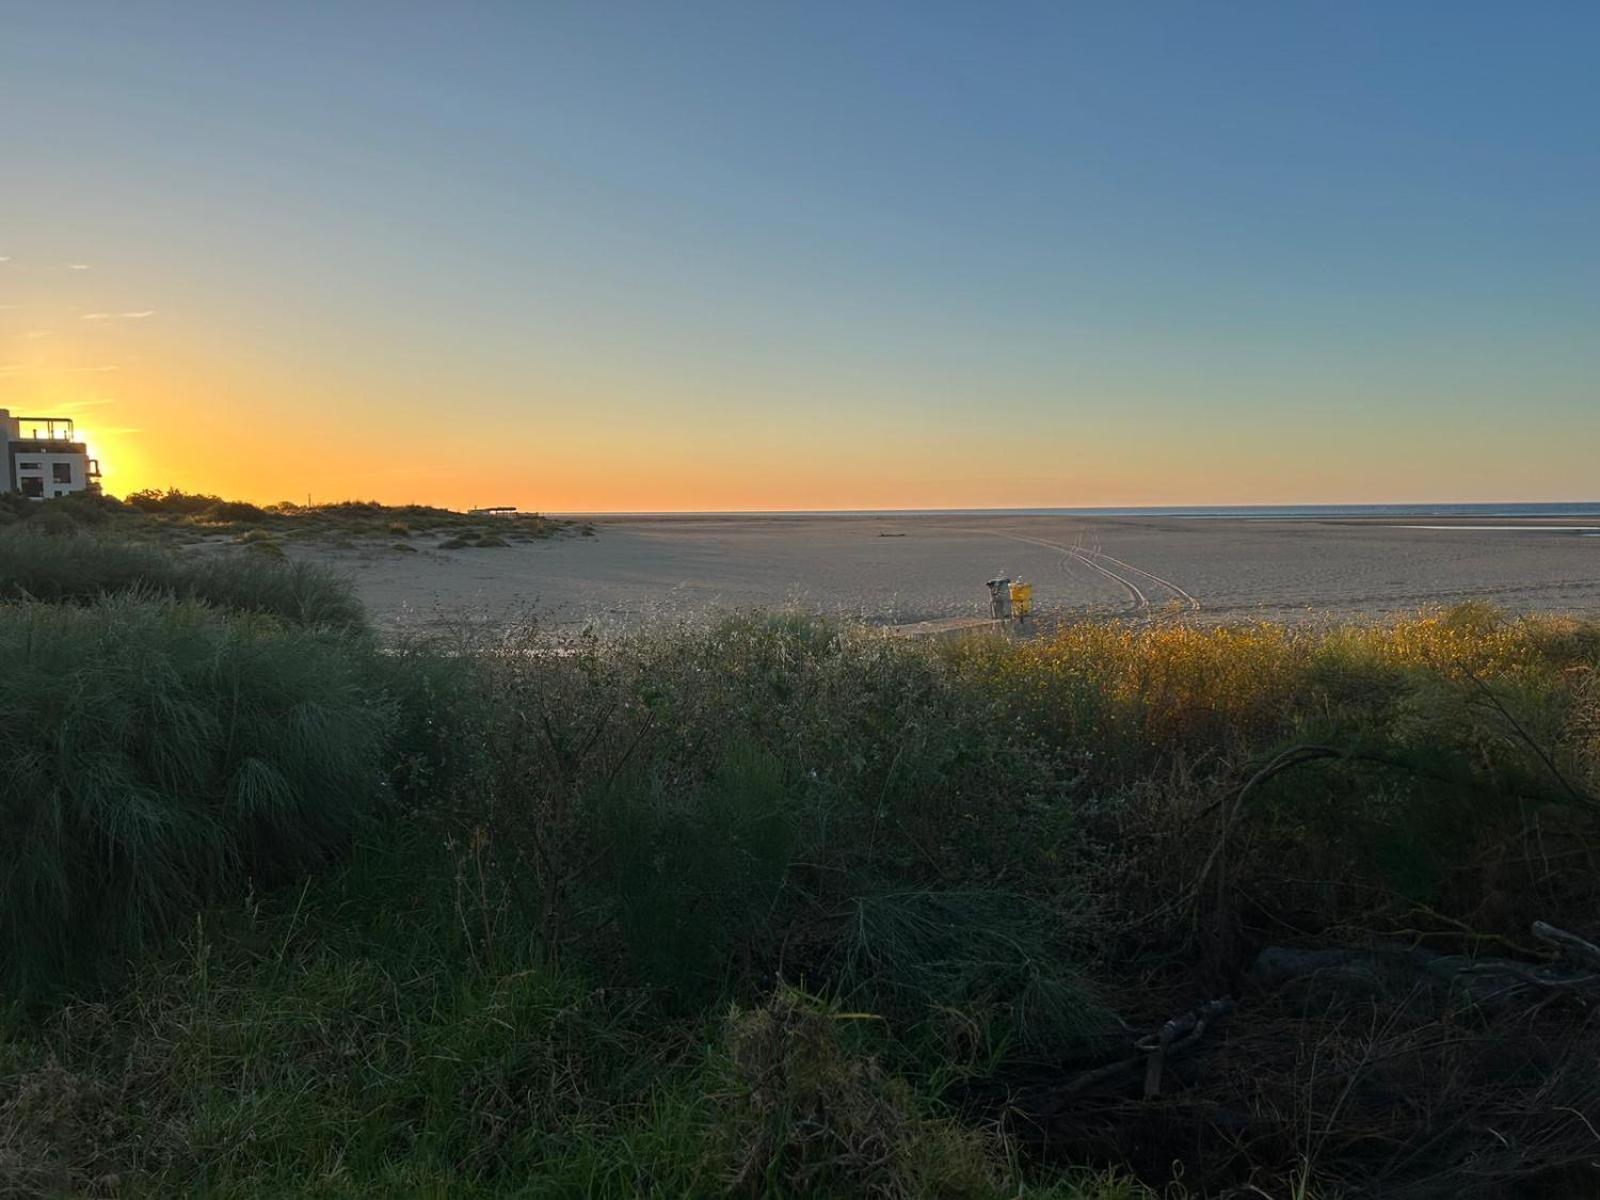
x=534, y=264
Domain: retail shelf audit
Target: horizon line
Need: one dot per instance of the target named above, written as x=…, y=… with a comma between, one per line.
x=1045, y=509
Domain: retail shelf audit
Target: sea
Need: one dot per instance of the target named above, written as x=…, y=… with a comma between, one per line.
x=1246, y=512
x=1303, y=512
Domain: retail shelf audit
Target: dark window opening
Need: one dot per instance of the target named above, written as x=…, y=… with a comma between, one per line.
x=60, y=472
x=33, y=488
x=29, y=466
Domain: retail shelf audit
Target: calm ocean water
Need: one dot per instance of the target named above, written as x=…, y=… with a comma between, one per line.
x=1265, y=512
x=1290, y=512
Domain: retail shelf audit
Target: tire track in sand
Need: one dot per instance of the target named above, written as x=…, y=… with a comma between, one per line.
x=1096, y=559
x=1191, y=602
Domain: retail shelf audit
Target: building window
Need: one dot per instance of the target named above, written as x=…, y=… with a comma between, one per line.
x=30, y=466
x=33, y=488
x=60, y=472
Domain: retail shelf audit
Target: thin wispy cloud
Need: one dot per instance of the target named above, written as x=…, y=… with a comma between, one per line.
x=4, y=258
x=123, y=316
x=75, y=405
x=34, y=335
x=13, y=368
x=77, y=266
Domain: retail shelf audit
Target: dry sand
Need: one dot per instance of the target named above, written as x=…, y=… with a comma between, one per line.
x=897, y=569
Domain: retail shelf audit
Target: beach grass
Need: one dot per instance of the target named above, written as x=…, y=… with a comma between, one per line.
x=88, y=567
x=162, y=756
x=774, y=906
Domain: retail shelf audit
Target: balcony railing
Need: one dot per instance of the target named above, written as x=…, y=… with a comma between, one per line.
x=28, y=429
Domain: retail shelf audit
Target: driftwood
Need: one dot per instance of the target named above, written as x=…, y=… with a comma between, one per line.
x=1570, y=943
x=1408, y=970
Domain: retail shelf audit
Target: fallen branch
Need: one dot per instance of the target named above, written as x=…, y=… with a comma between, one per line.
x=1517, y=971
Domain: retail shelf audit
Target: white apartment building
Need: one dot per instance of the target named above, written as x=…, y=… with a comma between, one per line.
x=42, y=458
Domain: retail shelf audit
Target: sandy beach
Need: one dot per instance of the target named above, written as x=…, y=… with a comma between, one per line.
x=893, y=570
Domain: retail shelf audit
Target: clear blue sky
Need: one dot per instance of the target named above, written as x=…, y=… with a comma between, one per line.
x=637, y=256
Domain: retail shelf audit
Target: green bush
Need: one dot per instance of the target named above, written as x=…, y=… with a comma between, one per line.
x=158, y=757
x=171, y=501
x=53, y=522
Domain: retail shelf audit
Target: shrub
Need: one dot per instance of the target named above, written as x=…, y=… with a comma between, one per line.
x=54, y=522
x=157, y=757
x=171, y=501
x=236, y=510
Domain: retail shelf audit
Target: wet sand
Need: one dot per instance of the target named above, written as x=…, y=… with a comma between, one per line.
x=900, y=569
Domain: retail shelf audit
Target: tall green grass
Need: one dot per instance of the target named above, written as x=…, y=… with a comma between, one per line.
x=83, y=568
x=157, y=757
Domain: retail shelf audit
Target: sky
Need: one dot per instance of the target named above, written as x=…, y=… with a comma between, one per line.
x=701, y=256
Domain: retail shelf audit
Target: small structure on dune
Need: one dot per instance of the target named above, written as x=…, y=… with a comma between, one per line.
x=1009, y=598
x=42, y=458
